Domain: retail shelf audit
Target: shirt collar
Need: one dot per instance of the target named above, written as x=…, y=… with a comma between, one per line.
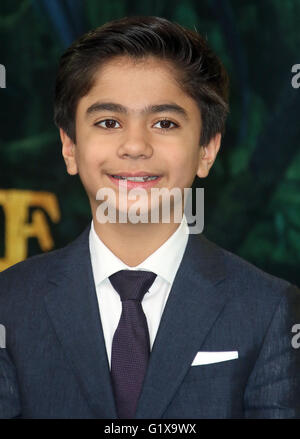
x=163, y=262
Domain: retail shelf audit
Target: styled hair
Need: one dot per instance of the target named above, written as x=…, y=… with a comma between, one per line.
x=198, y=71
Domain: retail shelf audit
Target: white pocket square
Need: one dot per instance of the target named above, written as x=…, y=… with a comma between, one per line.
x=203, y=357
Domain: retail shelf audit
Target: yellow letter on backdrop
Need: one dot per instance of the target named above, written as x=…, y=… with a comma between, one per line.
x=16, y=204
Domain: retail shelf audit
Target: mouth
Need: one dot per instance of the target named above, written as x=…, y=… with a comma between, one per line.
x=138, y=179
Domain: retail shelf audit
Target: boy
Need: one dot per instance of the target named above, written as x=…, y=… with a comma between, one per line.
x=142, y=319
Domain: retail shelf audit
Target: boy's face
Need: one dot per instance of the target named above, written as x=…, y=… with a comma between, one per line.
x=137, y=134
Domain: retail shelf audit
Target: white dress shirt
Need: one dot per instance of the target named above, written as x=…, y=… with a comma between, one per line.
x=164, y=262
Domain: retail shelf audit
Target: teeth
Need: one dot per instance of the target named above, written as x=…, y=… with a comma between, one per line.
x=138, y=179
x=119, y=177
x=135, y=178
x=151, y=178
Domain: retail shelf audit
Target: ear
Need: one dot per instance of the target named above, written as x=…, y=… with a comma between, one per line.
x=68, y=152
x=207, y=155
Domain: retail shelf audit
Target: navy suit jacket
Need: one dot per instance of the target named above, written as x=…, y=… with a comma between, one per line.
x=55, y=363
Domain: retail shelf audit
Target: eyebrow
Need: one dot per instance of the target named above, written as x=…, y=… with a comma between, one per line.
x=151, y=109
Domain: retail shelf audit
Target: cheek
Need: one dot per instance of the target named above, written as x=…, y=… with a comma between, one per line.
x=183, y=160
x=184, y=167
x=90, y=154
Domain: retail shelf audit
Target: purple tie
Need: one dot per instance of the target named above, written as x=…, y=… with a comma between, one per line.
x=131, y=346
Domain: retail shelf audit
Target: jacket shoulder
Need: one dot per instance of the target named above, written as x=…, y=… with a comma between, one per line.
x=247, y=277
x=35, y=270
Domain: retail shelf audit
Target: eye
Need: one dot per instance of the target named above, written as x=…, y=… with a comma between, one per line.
x=166, y=124
x=108, y=123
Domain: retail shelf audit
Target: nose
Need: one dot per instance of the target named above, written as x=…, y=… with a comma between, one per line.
x=135, y=142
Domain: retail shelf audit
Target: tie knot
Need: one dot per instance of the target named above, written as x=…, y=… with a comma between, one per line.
x=132, y=285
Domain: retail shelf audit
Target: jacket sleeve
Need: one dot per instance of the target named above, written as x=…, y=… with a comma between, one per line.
x=9, y=394
x=273, y=388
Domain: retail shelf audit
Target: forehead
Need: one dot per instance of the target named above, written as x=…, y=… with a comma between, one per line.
x=125, y=66
x=136, y=83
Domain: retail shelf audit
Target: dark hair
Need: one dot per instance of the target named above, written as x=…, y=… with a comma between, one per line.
x=198, y=70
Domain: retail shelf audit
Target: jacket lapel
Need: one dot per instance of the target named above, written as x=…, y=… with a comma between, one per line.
x=72, y=305
x=194, y=303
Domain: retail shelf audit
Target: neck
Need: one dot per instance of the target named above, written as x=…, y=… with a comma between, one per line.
x=133, y=243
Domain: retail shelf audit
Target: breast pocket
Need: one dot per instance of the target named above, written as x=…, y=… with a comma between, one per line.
x=230, y=368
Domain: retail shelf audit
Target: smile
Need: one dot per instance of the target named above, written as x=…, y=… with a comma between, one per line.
x=139, y=179
x=134, y=181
